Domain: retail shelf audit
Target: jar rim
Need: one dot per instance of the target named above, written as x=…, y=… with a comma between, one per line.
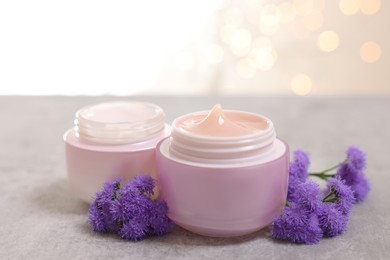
x=222, y=149
x=119, y=122
x=260, y=132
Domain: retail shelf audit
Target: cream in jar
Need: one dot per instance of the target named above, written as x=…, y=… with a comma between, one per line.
x=110, y=140
x=223, y=173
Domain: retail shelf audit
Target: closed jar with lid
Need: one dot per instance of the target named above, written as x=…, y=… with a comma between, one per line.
x=112, y=140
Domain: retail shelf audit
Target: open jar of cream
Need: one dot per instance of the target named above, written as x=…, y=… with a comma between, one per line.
x=110, y=140
x=223, y=173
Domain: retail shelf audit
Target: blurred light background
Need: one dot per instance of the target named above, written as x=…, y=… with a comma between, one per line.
x=232, y=47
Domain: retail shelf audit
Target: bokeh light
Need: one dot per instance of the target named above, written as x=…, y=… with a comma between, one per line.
x=263, y=56
x=370, y=7
x=214, y=54
x=269, y=19
x=313, y=21
x=244, y=69
x=370, y=52
x=328, y=41
x=270, y=15
x=233, y=17
x=263, y=59
x=301, y=84
x=349, y=7
x=241, y=40
x=262, y=42
x=303, y=7
x=287, y=12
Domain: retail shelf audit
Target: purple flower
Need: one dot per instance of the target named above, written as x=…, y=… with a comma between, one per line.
x=129, y=210
x=340, y=194
x=308, y=195
x=331, y=220
x=356, y=158
x=360, y=188
x=100, y=218
x=140, y=184
x=159, y=223
x=298, y=173
x=355, y=179
x=300, y=165
x=297, y=225
x=97, y=219
x=131, y=205
x=292, y=186
x=133, y=230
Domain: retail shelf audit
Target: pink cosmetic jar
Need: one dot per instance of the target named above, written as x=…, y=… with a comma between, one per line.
x=223, y=173
x=110, y=140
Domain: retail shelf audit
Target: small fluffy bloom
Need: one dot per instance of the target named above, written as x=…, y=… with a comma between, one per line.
x=296, y=225
x=356, y=158
x=360, y=188
x=343, y=194
x=159, y=223
x=129, y=210
x=356, y=180
x=97, y=219
x=141, y=184
x=298, y=173
x=300, y=165
x=99, y=216
x=133, y=230
x=292, y=186
x=308, y=195
x=331, y=220
x=130, y=206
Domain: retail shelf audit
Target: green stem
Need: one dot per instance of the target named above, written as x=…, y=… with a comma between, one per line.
x=325, y=171
x=322, y=175
x=331, y=197
x=329, y=194
x=332, y=200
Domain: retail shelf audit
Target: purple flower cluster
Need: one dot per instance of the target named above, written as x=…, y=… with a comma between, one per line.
x=299, y=222
x=298, y=172
x=352, y=172
x=129, y=210
x=309, y=215
x=297, y=226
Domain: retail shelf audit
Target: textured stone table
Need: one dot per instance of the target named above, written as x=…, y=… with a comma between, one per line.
x=40, y=219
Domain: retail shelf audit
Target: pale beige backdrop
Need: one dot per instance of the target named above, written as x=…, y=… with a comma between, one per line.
x=233, y=47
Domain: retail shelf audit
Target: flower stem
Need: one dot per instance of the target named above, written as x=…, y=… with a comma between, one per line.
x=323, y=175
x=328, y=195
x=332, y=200
x=331, y=197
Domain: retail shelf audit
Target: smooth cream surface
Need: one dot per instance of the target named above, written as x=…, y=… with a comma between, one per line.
x=219, y=123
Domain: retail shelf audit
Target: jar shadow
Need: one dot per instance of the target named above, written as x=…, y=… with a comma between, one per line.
x=180, y=236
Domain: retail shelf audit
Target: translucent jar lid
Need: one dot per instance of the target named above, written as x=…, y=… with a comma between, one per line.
x=119, y=122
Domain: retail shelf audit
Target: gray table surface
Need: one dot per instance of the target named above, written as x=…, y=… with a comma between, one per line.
x=40, y=219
